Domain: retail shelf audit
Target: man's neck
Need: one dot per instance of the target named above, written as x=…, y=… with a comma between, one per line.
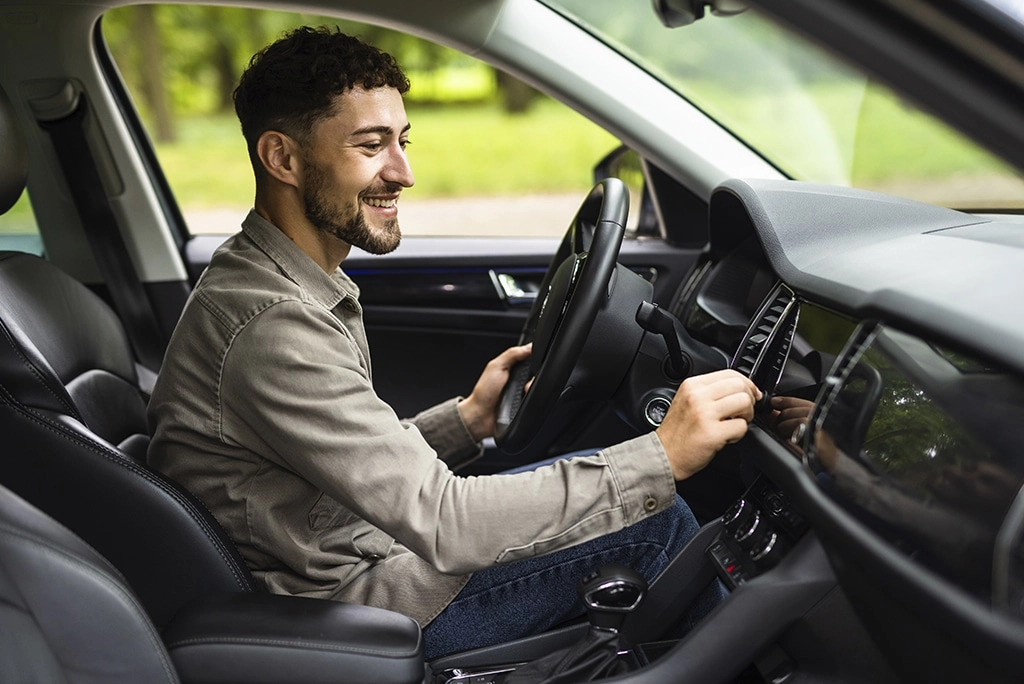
x=326, y=250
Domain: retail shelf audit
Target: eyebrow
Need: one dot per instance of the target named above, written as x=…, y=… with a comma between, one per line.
x=382, y=130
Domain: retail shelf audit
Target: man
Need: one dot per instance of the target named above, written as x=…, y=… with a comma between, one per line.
x=265, y=409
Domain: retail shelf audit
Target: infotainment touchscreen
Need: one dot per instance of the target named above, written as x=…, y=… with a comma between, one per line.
x=919, y=441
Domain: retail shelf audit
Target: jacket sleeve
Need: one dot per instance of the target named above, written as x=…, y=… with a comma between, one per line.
x=301, y=397
x=443, y=429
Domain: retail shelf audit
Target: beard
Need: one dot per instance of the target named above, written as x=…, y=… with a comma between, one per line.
x=348, y=223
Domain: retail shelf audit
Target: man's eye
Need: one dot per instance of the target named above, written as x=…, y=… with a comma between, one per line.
x=372, y=146
x=404, y=143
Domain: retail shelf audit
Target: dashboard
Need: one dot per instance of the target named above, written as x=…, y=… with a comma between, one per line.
x=888, y=337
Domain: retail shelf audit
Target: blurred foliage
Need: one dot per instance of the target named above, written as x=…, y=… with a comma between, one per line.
x=455, y=151
x=809, y=113
x=19, y=219
x=185, y=60
x=469, y=120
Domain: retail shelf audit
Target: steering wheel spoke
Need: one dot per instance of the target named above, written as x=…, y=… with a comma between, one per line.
x=583, y=283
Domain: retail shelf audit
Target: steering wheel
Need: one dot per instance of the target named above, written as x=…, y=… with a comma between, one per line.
x=578, y=283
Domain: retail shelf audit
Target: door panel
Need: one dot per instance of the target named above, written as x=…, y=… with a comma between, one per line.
x=434, y=318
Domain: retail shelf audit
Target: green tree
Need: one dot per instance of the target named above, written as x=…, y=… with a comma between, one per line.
x=134, y=37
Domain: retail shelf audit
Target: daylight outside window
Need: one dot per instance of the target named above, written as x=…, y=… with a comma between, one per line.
x=481, y=165
x=806, y=112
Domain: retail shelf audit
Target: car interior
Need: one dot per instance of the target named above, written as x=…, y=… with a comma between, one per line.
x=868, y=528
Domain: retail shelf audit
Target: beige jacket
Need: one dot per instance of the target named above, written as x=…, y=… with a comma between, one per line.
x=265, y=409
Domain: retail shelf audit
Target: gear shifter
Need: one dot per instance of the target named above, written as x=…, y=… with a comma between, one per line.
x=610, y=594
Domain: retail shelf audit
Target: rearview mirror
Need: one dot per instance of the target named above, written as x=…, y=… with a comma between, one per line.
x=676, y=13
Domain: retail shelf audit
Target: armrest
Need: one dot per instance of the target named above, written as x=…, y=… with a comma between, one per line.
x=256, y=638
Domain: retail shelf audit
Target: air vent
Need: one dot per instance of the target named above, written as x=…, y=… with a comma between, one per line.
x=765, y=346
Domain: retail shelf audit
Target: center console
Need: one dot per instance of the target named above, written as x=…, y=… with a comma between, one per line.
x=758, y=531
x=755, y=535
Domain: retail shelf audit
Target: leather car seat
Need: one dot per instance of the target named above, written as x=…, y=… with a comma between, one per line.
x=74, y=433
x=66, y=614
x=72, y=421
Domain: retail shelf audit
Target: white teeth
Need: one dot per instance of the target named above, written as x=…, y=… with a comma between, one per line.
x=382, y=203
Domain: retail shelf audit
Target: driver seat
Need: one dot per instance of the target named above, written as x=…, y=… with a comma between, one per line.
x=65, y=612
x=73, y=421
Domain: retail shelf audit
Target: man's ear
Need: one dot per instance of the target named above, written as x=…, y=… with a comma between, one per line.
x=279, y=155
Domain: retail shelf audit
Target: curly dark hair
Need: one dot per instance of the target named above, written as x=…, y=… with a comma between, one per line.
x=293, y=83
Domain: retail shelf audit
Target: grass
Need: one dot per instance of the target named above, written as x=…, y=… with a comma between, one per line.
x=842, y=132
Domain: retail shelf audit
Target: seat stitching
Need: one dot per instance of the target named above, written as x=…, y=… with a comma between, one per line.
x=305, y=645
x=35, y=371
x=113, y=579
x=127, y=463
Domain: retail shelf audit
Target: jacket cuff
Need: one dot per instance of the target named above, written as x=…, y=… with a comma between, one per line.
x=643, y=477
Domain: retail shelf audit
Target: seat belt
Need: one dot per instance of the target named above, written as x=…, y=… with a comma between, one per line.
x=127, y=291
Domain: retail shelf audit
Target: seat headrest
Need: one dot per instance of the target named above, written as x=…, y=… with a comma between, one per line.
x=13, y=155
x=62, y=349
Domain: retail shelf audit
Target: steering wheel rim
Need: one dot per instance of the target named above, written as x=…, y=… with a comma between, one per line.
x=568, y=301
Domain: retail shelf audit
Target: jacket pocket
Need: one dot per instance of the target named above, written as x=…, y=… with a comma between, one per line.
x=327, y=513
x=373, y=544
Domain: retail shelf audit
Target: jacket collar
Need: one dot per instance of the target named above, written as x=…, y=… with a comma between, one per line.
x=328, y=290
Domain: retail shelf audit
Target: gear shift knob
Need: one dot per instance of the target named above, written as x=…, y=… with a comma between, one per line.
x=610, y=593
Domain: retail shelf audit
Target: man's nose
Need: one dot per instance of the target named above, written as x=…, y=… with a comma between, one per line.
x=398, y=169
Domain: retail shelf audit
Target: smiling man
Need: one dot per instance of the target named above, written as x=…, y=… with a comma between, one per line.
x=265, y=407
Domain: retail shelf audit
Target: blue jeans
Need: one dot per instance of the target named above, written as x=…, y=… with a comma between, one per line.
x=506, y=602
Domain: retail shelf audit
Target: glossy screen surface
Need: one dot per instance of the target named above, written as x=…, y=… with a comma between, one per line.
x=921, y=444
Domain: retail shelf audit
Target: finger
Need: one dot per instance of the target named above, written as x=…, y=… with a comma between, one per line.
x=516, y=354
x=714, y=376
x=784, y=402
x=732, y=430
x=511, y=356
x=726, y=375
x=799, y=413
x=736, y=405
x=788, y=427
x=732, y=384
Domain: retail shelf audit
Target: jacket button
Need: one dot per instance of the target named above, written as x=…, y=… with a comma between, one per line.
x=374, y=557
x=650, y=503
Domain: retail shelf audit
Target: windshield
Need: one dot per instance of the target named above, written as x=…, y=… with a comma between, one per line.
x=806, y=112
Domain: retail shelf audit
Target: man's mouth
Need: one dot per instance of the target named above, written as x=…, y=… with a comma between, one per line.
x=382, y=203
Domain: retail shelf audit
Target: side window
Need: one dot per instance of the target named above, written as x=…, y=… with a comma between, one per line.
x=18, y=229
x=626, y=165
x=480, y=149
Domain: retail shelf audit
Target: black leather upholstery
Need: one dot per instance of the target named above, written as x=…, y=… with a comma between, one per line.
x=73, y=429
x=259, y=638
x=75, y=352
x=66, y=614
x=161, y=537
x=14, y=169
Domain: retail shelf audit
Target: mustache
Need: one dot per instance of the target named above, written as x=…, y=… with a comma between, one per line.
x=382, y=189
